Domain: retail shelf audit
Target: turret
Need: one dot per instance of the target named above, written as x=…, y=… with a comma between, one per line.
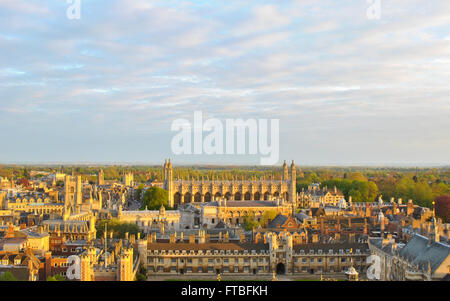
x=285, y=172
x=292, y=188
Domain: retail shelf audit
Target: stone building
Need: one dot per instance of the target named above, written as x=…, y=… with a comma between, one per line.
x=234, y=212
x=128, y=179
x=100, y=178
x=187, y=191
x=315, y=197
x=273, y=253
x=150, y=220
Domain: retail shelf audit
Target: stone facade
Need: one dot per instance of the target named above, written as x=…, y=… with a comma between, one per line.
x=187, y=191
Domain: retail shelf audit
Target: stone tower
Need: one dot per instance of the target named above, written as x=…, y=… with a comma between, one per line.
x=87, y=269
x=168, y=181
x=72, y=194
x=285, y=172
x=100, y=178
x=293, y=183
x=125, y=265
x=128, y=179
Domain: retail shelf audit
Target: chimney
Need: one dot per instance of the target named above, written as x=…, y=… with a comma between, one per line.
x=192, y=239
x=201, y=236
x=315, y=237
x=337, y=236
x=352, y=237
x=226, y=237
x=242, y=238
x=173, y=238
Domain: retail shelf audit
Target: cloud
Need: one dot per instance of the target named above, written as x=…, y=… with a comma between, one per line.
x=341, y=85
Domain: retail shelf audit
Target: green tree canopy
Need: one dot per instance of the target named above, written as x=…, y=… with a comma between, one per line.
x=117, y=227
x=7, y=276
x=56, y=277
x=154, y=198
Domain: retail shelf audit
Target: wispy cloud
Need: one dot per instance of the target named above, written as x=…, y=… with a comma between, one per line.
x=345, y=88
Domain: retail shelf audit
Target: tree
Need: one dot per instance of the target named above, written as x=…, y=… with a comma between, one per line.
x=117, y=227
x=357, y=176
x=267, y=216
x=56, y=277
x=154, y=198
x=7, y=276
x=250, y=222
x=139, y=192
x=26, y=173
x=442, y=205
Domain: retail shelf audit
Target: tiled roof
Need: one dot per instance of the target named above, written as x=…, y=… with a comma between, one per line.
x=420, y=253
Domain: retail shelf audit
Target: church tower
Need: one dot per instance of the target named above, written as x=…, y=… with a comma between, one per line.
x=170, y=183
x=293, y=183
x=125, y=265
x=285, y=172
x=100, y=178
x=72, y=194
x=165, y=175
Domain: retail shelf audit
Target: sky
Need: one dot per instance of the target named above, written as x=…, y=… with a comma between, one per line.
x=347, y=89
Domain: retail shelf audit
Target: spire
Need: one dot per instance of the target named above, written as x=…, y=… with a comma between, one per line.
x=436, y=234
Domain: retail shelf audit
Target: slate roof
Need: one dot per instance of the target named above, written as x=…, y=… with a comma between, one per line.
x=420, y=253
x=325, y=247
x=207, y=246
x=245, y=204
x=279, y=220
